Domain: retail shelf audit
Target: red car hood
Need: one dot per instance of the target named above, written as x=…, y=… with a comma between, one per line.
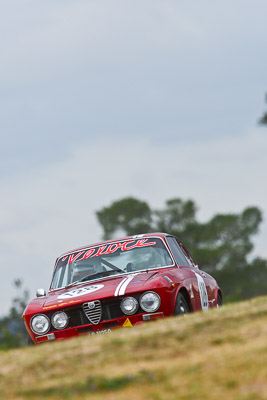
x=99, y=289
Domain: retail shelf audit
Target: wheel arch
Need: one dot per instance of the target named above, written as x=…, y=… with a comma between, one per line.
x=185, y=293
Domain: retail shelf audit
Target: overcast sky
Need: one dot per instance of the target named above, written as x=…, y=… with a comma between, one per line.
x=105, y=99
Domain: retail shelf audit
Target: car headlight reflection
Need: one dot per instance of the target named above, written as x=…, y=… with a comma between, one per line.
x=40, y=324
x=60, y=320
x=150, y=301
x=129, y=305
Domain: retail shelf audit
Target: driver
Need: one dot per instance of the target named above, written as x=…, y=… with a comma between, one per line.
x=83, y=268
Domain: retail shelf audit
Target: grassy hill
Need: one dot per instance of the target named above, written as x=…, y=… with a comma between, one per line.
x=220, y=354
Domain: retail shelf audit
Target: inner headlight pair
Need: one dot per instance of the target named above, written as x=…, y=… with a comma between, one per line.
x=149, y=302
x=40, y=323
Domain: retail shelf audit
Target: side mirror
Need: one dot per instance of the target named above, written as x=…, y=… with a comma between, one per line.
x=40, y=292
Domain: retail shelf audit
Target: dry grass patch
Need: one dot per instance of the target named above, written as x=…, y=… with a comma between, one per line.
x=218, y=354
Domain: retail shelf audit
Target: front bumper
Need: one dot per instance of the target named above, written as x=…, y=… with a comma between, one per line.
x=101, y=328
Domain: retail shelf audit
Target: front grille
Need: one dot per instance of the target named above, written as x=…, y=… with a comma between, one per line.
x=76, y=317
x=111, y=310
x=105, y=311
x=93, y=311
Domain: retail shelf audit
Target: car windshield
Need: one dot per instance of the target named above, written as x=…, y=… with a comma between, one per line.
x=110, y=259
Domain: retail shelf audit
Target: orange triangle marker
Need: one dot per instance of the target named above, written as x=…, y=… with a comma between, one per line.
x=127, y=323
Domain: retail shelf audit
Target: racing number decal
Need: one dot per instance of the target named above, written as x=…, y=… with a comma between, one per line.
x=80, y=292
x=202, y=292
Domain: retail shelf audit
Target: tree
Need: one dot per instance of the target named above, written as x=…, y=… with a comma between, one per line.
x=220, y=246
x=12, y=329
x=245, y=283
x=263, y=120
x=128, y=215
x=177, y=216
x=225, y=240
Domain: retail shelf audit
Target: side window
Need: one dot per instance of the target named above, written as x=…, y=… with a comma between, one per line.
x=177, y=252
x=186, y=254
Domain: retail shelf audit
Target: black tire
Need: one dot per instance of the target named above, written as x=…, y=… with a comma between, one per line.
x=181, y=306
x=219, y=300
x=29, y=341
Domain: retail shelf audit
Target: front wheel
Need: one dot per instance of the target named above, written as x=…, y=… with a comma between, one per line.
x=181, y=306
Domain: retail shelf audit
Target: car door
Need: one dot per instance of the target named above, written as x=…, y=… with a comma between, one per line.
x=201, y=294
x=206, y=288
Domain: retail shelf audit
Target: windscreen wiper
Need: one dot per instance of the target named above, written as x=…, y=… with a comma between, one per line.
x=92, y=276
x=97, y=275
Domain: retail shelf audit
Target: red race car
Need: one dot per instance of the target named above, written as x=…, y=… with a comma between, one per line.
x=119, y=283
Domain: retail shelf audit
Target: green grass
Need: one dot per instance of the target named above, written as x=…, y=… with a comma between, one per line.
x=219, y=354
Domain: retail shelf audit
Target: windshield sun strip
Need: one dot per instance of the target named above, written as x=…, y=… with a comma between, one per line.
x=111, y=243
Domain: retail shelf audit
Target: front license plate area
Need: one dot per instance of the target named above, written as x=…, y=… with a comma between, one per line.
x=100, y=332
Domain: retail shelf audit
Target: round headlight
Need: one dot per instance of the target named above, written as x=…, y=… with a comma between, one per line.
x=40, y=324
x=129, y=305
x=150, y=301
x=60, y=320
